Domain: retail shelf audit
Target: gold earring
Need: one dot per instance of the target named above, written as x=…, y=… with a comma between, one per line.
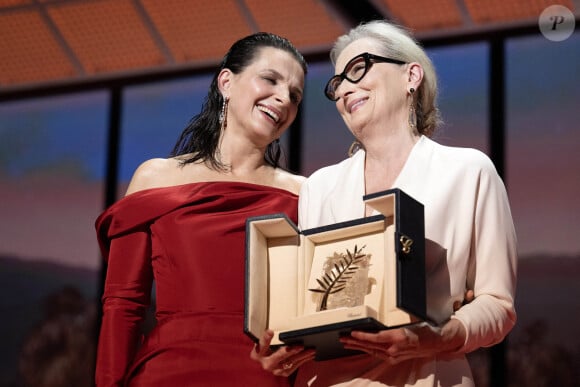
x=412, y=112
x=354, y=147
x=412, y=117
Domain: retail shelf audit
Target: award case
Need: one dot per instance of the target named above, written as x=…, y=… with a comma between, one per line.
x=289, y=274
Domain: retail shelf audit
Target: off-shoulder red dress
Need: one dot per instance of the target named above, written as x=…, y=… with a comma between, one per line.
x=190, y=240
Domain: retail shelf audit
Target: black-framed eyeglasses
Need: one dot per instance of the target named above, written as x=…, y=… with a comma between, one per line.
x=354, y=71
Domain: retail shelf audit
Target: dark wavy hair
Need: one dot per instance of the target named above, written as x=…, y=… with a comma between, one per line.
x=201, y=136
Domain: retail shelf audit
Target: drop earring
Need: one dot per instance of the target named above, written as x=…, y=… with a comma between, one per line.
x=412, y=112
x=223, y=117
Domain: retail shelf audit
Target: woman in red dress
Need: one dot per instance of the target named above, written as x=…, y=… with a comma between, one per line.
x=182, y=226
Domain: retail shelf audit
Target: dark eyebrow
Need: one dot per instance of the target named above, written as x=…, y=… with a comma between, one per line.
x=273, y=72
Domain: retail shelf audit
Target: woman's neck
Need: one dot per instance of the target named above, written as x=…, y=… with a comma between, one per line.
x=241, y=155
x=385, y=159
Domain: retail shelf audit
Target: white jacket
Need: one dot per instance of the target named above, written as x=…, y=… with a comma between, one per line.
x=470, y=244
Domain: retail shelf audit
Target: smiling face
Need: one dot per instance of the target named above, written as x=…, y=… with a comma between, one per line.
x=264, y=97
x=378, y=100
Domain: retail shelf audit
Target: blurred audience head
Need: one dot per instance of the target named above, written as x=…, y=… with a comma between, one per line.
x=60, y=350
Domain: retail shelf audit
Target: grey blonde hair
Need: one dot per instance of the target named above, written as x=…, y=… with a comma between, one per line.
x=398, y=43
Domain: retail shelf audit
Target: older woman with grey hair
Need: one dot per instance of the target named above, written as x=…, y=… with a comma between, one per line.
x=385, y=89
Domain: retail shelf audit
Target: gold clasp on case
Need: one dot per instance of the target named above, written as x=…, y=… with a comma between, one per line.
x=406, y=243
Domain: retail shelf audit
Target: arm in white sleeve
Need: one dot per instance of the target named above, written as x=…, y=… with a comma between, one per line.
x=493, y=264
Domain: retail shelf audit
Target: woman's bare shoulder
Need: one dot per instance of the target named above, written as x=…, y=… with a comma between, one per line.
x=153, y=173
x=289, y=181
